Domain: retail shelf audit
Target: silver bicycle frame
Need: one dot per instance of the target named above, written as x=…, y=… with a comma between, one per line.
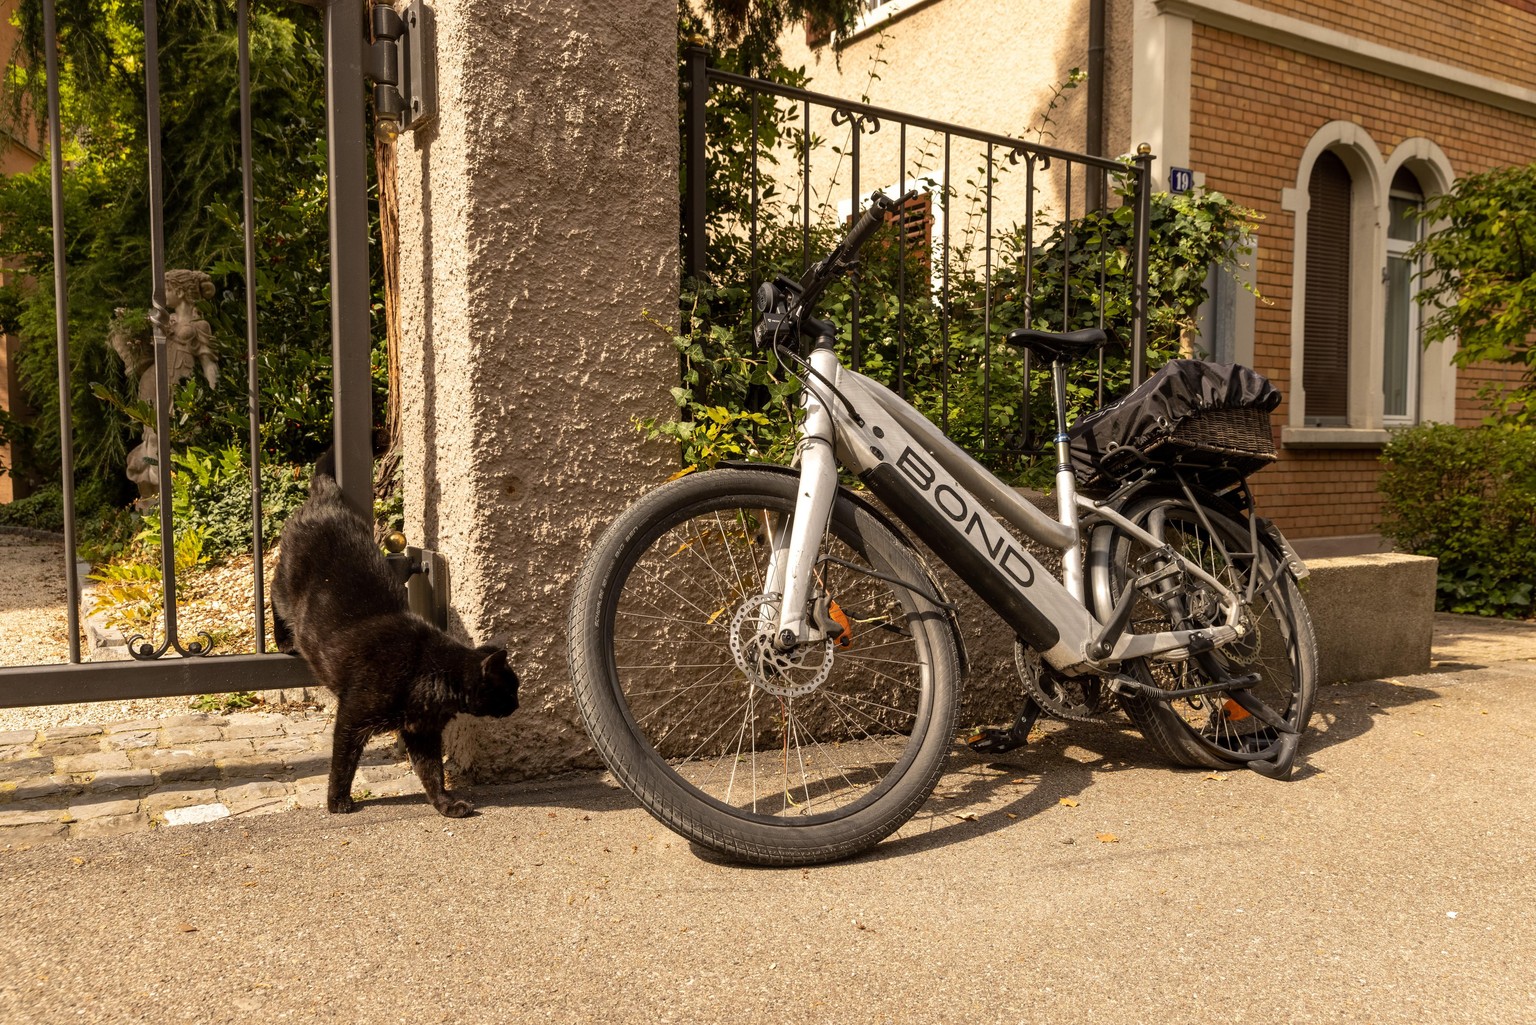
x=933, y=487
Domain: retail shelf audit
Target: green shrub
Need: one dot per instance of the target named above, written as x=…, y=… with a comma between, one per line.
x=41, y=510
x=1468, y=498
x=211, y=494
x=102, y=529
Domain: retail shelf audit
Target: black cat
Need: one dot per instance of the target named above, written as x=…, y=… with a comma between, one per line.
x=336, y=604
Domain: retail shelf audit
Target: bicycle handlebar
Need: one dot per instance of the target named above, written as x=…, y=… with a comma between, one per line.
x=820, y=274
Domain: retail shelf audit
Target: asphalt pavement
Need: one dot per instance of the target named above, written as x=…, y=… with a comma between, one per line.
x=1393, y=880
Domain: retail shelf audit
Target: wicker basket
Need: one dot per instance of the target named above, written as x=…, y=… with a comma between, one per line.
x=1213, y=446
x=1236, y=432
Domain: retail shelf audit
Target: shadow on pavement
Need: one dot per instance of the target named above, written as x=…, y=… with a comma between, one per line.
x=981, y=795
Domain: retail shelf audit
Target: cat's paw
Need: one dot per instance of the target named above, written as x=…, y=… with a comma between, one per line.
x=340, y=805
x=456, y=809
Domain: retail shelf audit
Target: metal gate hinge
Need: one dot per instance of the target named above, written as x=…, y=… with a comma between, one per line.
x=403, y=65
x=424, y=574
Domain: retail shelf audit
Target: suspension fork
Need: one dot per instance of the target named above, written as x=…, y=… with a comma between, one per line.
x=791, y=569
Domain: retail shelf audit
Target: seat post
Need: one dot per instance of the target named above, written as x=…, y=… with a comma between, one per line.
x=1059, y=387
x=1066, y=486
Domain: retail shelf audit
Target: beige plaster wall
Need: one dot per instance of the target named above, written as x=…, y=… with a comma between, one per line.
x=538, y=219
x=989, y=65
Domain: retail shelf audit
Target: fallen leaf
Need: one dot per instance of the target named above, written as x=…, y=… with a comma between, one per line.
x=77, y=861
x=1011, y=815
x=1218, y=777
x=184, y=927
x=1070, y=802
x=968, y=816
x=1107, y=838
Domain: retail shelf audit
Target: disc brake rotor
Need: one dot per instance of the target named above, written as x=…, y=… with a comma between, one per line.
x=786, y=674
x=1073, y=698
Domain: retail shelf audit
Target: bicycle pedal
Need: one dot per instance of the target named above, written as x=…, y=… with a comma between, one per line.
x=995, y=742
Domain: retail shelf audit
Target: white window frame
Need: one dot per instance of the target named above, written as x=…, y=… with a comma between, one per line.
x=1435, y=393
x=1398, y=249
x=1370, y=172
x=881, y=12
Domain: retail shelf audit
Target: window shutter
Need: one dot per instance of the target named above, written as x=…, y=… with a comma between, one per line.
x=916, y=216
x=1325, y=330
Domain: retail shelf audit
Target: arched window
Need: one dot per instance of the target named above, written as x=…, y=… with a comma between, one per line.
x=1400, y=368
x=1327, y=314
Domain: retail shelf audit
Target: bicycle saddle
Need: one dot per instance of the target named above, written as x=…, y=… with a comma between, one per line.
x=1058, y=345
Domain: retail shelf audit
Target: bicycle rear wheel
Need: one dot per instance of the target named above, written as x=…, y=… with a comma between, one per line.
x=760, y=755
x=1214, y=730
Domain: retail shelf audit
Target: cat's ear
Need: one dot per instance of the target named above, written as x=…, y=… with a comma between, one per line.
x=494, y=663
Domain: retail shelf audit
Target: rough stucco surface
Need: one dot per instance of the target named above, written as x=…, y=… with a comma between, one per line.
x=538, y=228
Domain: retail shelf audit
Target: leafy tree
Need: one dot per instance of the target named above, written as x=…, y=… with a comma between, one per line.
x=1480, y=279
x=106, y=217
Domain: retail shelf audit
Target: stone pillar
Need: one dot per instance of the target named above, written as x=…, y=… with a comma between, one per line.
x=538, y=237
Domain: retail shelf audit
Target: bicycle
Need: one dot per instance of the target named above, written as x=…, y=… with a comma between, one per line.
x=767, y=663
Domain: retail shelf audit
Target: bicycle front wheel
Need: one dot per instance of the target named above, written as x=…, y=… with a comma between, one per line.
x=1213, y=730
x=770, y=757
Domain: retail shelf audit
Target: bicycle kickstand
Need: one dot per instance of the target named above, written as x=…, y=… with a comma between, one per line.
x=992, y=741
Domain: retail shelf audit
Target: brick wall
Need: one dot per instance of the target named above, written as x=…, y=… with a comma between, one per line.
x=1254, y=108
x=1492, y=37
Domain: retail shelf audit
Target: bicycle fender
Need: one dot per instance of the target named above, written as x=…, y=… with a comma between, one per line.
x=1283, y=550
x=845, y=493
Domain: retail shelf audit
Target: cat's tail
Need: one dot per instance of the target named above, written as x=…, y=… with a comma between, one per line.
x=324, y=477
x=325, y=466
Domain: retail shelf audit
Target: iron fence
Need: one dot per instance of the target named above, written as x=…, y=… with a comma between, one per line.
x=1000, y=232
x=176, y=665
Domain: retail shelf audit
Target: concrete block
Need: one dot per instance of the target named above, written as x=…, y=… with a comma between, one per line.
x=1374, y=615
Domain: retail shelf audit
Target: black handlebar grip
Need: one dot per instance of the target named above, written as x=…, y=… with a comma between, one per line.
x=867, y=224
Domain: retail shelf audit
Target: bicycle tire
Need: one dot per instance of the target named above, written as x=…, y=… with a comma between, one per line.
x=1212, y=731
x=825, y=768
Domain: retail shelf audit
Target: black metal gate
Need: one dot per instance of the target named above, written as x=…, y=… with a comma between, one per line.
x=177, y=666
x=782, y=132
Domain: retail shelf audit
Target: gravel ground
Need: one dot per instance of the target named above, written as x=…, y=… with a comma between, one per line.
x=35, y=631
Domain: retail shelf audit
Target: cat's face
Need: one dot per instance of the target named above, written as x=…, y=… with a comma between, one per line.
x=494, y=694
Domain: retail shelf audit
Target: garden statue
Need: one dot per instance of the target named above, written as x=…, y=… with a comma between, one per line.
x=188, y=346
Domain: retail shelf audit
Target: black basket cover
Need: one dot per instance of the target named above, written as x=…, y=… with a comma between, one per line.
x=1144, y=425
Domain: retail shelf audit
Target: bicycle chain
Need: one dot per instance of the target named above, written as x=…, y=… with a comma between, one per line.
x=1074, y=699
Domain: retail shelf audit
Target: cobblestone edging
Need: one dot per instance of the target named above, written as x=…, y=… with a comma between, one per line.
x=150, y=773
